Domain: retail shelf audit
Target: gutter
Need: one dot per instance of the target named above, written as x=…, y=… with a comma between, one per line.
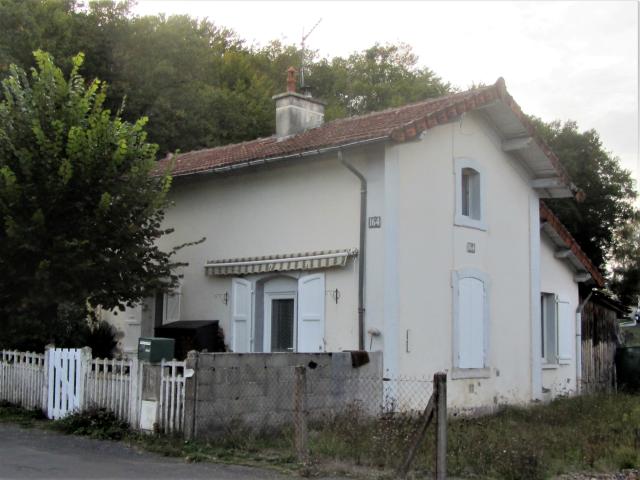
x=263, y=161
x=579, y=311
x=361, y=249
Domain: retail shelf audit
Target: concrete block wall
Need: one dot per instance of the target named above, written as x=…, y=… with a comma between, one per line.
x=256, y=390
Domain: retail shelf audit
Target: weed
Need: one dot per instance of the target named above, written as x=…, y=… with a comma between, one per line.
x=23, y=417
x=96, y=423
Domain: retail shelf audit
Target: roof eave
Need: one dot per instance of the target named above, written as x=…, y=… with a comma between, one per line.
x=569, y=249
x=269, y=160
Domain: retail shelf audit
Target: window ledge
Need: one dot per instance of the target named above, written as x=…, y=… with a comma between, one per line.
x=464, y=221
x=460, y=373
x=550, y=366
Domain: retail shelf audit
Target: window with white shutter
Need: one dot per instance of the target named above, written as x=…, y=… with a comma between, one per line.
x=565, y=332
x=471, y=319
x=311, y=313
x=241, y=305
x=549, y=312
x=557, y=329
x=167, y=306
x=470, y=194
x=172, y=305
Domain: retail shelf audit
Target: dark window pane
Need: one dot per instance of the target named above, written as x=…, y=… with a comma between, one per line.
x=282, y=325
x=159, y=307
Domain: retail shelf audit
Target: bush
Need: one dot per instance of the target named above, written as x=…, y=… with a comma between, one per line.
x=101, y=337
x=95, y=423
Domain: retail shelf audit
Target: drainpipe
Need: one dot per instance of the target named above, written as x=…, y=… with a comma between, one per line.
x=361, y=248
x=579, y=342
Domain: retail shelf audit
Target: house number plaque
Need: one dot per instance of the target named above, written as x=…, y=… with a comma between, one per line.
x=375, y=222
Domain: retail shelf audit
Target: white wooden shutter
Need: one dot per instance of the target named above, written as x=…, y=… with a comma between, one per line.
x=471, y=323
x=311, y=313
x=172, y=305
x=241, y=315
x=565, y=332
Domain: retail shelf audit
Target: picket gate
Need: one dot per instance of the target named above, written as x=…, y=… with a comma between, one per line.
x=66, y=380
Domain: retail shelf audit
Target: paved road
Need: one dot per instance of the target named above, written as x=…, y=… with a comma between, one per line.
x=41, y=454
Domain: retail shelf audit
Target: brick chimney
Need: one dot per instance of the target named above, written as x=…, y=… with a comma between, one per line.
x=296, y=112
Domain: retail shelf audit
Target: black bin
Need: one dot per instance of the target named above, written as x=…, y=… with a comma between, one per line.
x=193, y=335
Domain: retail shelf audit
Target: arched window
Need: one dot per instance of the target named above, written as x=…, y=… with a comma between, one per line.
x=470, y=194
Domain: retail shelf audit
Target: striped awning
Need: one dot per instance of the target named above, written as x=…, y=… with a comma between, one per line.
x=280, y=263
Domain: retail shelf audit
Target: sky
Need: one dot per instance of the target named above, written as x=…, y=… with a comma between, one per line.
x=561, y=60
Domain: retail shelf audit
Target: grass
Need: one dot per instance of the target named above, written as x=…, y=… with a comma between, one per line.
x=591, y=433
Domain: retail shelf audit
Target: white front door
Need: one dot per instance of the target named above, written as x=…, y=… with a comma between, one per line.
x=279, y=322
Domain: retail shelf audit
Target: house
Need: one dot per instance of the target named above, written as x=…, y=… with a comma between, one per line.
x=415, y=231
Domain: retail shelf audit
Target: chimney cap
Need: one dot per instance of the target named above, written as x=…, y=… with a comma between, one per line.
x=291, y=79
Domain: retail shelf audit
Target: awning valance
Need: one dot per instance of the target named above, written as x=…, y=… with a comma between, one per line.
x=280, y=263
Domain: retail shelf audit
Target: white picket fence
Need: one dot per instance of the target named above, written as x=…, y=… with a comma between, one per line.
x=113, y=385
x=171, y=411
x=62, y=381
x=23, y=379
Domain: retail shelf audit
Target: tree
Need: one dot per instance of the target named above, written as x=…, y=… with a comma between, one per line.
x=80, y=212
x=625, y=263
x=379, y=77
x=609, y=189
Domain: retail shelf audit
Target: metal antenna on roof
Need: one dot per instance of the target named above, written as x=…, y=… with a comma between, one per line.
x=304, y=38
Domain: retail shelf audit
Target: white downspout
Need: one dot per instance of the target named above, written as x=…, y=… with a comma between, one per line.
x=579, y=311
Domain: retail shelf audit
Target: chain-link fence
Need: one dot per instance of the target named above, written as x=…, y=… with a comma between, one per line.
x=318, y=406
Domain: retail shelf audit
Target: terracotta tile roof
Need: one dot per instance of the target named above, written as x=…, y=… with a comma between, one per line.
x=395, y=124
x=547, y=215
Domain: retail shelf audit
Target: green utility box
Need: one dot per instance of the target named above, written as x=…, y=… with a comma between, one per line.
x=155, y=349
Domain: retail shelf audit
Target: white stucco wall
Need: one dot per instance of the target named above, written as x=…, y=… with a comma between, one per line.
x=557, y=277
x=306, y=205
x=430, y=247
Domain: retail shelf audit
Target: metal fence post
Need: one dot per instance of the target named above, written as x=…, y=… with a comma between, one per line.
x=440, y=391
x=300, y=431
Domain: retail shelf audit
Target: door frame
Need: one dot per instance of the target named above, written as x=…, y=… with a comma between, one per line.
x=266, y=325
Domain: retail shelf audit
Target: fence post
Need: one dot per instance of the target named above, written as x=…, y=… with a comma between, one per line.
x=47, y=396
x=440, y=392
x=85, y=368
x=420, y=434
x=300, y=432
x=134, y=393
x=190, y=394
